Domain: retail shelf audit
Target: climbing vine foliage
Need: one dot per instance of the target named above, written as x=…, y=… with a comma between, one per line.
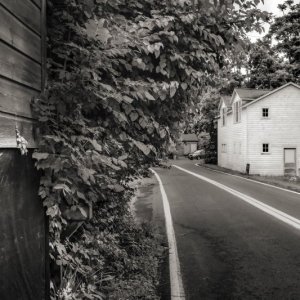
x=121, y=76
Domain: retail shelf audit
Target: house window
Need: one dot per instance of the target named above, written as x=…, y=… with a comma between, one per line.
x=265, y=112
x=265, y=148
x=237, y=110
x=224, y=148
x=233, y=147
x=224, y=116
x=240, y=151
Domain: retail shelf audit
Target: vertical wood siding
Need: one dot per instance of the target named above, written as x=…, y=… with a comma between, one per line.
x=23, y=236
x=21, y=67
x=281, y=130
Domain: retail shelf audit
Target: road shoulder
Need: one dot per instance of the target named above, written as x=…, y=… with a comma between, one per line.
x=280, y=182
x=147, y=207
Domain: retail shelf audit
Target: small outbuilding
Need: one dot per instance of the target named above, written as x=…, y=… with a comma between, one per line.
x=190, y=143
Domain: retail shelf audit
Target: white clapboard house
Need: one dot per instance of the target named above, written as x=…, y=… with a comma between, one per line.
x=260, y=128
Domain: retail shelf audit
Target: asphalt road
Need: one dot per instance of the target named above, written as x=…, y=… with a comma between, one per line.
x=229, y=249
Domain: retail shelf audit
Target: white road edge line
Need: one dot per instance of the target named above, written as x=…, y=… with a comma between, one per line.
x=177, y=291
x=276, y=187
x=260, y=205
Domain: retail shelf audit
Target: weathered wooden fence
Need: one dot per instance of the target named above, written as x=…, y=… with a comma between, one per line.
x=23, y=227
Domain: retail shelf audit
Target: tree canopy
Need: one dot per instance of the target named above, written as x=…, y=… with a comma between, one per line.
x=274, y=60
x=122, y=74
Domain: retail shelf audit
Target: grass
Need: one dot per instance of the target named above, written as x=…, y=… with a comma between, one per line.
x=287, y=182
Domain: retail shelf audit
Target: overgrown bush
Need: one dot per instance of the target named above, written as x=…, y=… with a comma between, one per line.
x=121, y=77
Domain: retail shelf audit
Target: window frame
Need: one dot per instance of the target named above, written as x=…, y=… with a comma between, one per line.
x=267, y=112
x=237, y=112
x=224, y=114
x=265, y=146
x=224, y=148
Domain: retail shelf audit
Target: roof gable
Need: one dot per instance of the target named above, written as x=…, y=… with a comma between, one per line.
x=225, y=100
x=250, y=94
x=272, y=92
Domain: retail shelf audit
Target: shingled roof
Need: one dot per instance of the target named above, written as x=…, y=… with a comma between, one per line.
x=250, y=94
x=226, y=100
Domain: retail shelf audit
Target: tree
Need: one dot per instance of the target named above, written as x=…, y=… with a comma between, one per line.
x=267, y=70
x=121, y=76
x=285, y=31
x=208, y=123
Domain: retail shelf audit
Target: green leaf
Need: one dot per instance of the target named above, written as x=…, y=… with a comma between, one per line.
x=172, y=91
x=184, y=86
x=52, y=211
x=96, y=145
x=149, y=96
x=143, y=122
x=81, y=196
x=162, y=133
x=123, y=157
x=118, y=188
x=144, y=148
x=95, y=30
x=127, y=99
x=133, y=116
x=123, y=136
x=122, y=117
x=82, y=211
x=57, y=166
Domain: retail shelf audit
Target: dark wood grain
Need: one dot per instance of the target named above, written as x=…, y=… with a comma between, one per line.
x=15, y=98
x=37, y=2
x=8, y=131
x=20, y=37
x=22, y=235
x=26, y=12
x=15, y=66
x=44, y=42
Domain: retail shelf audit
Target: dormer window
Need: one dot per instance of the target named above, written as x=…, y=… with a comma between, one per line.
x=224, y=111
x=265, y=113
x=237, y=111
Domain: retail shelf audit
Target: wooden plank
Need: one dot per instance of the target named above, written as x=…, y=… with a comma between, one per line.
x=44, y=42
x=15, y=66
x=26, y=12
x=8, y=131
x=20, y=37
x=37, y=2
x=15, y=98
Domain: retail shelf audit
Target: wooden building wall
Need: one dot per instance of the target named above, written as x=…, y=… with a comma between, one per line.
x=280, y=130
x=21, y=67
x=23, y=237
x=234, y=136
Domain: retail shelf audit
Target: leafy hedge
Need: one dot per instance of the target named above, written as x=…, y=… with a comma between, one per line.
x=122, y=74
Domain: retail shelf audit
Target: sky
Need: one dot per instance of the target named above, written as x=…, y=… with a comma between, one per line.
x=269, y=6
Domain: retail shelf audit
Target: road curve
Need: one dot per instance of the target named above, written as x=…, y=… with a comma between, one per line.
x=229, y=249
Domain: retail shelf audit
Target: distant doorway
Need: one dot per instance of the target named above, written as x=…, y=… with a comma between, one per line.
x=289, y=161
x=193, y=147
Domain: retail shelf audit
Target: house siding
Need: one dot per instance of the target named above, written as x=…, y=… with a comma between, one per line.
x=234, y=135
x=281, y=130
